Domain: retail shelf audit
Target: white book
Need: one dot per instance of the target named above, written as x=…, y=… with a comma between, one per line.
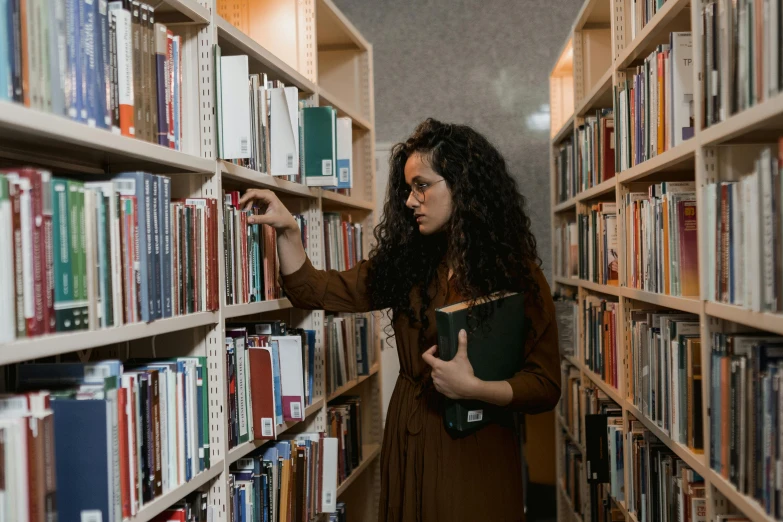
x=329, y=479
x=90, y=232
x=344, y=153
x=291, y=376
x=124, y=46
x=740, y=238
x=682, y=85
x=284, y=130
x=7, y=318
x=767, y=253
x=26, y=221
x=16, y=468
x=235, y=107
x=772, y=38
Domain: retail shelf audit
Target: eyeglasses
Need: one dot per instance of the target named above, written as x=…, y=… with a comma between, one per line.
x=417, y=189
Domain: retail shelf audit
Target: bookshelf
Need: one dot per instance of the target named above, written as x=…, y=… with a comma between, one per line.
x=704, y=158
x=314, y=48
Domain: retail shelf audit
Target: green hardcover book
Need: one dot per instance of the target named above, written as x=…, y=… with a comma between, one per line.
x=63, y=262
x=496, y=352
x=203, y=385
x=319, y=146
x=78, y=254
x=82, y=258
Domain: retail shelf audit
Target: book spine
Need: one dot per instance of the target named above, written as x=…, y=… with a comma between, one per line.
x=155, y=235
x=47, y=239
x=169, y=89
x=165, y=259
x=89, y=80
x=114, y=92
x=103, y=69
x=18, y=249
x=151, y=99
x=161, y=46
x=176, y=91
x=57, y=49
x=126, y=81
x=137, y=72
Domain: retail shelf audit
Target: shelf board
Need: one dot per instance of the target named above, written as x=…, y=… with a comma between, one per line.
x=768, y=322
x=340, y=202
x=233, y=41
x=684, y=304
x=655, y=32
x=258, y=307
x=178, y=11
x=695, y=461
x=593, y=13
x=681, y=157
x=62, y=143
x=159, y=505
x=602, y=188
x=565, y=131
x=345, y=388
x=62, y=343
x=608, y=389
x=251, y=177
x=343, y=109
x=570, y=281
x=369, y=452
x=565, y=205
x=599, y=97
x=245, y=448
x=335, y=30
x=747, y=505
x=570, y=435
x=602, y=289
x=760, y=123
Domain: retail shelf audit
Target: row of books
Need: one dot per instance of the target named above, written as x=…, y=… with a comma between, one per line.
x=566, y=249
x=567, y=315
x=594, y=151
x=349, y=348
x=264, y=126
x=570, y=403
x=270, y=378
x=250, y=254
x=289, y=480
x=145, y=426
x=107, y=64
x=601, y=355
x=746, y=423
x=745, y=234
x=343, y=241
x=98, y=254
x=741, y=55
x=344, y=422
x=598, y=247
x=567, y=182
x=655, y=103
x=641, y=12
x=665, y=377
x=605, y=470
x=573, y=472
x=661, y=247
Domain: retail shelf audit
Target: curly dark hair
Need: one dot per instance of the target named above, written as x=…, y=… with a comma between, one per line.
x=488, y=240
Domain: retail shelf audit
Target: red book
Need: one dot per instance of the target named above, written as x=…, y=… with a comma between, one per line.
x=346, y=245
x=262, y=393
x=607, y=134
x=122, y=425
x=170, y=87
x=16, y=208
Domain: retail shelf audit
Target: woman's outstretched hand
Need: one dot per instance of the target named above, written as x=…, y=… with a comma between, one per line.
x=273, y=213
x=455, y=378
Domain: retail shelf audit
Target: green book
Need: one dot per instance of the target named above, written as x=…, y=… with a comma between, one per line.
x=319, y=146
x=495, y=350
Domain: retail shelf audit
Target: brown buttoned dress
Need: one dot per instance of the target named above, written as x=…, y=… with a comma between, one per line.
x=426, y=475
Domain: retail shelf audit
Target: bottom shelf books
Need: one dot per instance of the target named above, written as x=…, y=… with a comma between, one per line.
x=345, y=424
x=289, y=480
x=270, y=378
x=143, y=425
x=573, y=477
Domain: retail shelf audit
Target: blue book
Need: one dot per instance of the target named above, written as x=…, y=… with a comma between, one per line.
x=102, y=65
x=164, y=211
x=200, y=420
x=276, y=381
x=311, y=363
x=154, y=259
x=138, y=184
x=84, y=463
x=6, y=52
x=88, y=79
x=57, y=66
x=74, y=100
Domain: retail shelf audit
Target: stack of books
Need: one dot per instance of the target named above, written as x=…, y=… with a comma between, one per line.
x=345, y=424
x=343, y=241
x=665, y=381
x=145, y=426
x=270, y=378
x=600, y=338
x=98, y=254
x=598, y=248
x=106, y=64
x=744, y=220
x=741, y=53
x=650, y=119
x=285, y=480
x=349, y=348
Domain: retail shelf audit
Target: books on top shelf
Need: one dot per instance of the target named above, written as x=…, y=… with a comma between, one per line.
x=655, y=103
x=661, y=246
x=567, y=249
x=100, y=254
x=343, y=242
x=741, y=55
x=106, y=64
x=642, y=11
x=344, y=422
x=270, y=378
x=594, y=157
x=745, y=235
x=745, y=425
x=292, y=479
x=600, y=350
x=598, y=247
x=145, y=426
x=349, y=348
x=664, y=380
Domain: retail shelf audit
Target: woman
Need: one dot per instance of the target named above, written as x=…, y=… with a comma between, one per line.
x=454, y=224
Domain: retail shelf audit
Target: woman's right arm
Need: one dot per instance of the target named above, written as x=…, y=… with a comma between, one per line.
x=305, y=286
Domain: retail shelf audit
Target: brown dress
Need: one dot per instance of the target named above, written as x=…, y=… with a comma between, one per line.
x=426, y=475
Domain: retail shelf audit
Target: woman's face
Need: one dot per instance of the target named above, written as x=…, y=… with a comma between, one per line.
x=430, y=196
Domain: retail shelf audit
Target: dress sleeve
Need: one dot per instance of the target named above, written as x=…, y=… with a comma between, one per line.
x=536, y=388
x=312, y=289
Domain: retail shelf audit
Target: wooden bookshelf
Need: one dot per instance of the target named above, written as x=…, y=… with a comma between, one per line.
x=762, y=123
x=29, y=136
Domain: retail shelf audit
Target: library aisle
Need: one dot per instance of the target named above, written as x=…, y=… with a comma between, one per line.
x=154, y=368
x=667, y=234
